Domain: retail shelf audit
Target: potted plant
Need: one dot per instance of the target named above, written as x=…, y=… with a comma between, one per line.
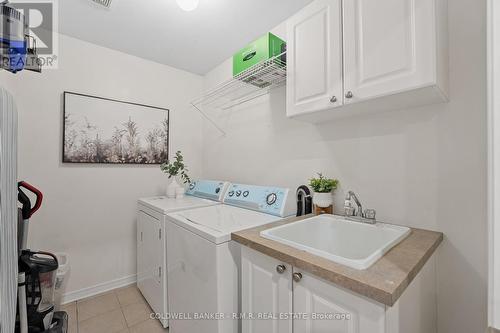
x=323, y=188
x=177, y=172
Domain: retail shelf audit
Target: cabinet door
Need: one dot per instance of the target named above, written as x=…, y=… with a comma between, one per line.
x=389, y=47
x=330, y=309
x=314, y=58
x=149, y=260
x=265, y=291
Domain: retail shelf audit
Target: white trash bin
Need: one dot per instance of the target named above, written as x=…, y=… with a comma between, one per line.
x=61, y=279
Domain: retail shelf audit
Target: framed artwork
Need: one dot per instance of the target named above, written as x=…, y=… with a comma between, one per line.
x=104, y=130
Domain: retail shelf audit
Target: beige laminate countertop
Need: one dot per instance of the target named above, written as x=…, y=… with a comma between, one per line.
x=383, y=282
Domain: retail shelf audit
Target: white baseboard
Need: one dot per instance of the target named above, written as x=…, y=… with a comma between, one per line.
x=98, y=289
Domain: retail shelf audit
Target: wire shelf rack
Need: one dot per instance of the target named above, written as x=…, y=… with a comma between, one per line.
x=254, y=82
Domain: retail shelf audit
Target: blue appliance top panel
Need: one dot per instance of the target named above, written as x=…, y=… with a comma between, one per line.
x=269, y=200
x=208, y=189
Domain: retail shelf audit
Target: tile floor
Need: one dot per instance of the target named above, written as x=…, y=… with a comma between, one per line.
x=118, y=311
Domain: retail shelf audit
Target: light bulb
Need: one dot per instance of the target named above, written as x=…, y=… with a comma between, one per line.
x=188, y=5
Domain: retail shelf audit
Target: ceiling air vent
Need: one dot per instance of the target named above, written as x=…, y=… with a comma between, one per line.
x=104, y=3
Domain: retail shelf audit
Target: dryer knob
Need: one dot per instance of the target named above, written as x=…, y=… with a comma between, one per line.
x=271, y=199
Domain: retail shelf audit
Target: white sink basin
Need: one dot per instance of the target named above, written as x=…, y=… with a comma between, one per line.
x=354, y=244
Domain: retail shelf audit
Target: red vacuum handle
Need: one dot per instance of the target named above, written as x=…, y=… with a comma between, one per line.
x=38, y=194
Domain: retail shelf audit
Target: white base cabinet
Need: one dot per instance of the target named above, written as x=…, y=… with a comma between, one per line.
x=265, y=294
x=279, y=298
x=347, y=57
x=350, y=313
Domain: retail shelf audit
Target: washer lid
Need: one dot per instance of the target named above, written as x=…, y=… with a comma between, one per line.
x=166, y=205
x=216, y=223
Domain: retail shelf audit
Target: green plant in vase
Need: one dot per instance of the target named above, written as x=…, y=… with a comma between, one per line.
x=323, y=188
x=177, y=171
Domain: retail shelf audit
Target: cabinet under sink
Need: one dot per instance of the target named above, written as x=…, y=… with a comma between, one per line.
x=280, y=298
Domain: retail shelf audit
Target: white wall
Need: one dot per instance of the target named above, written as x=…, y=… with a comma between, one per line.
x=89, y=210
x=423, y=167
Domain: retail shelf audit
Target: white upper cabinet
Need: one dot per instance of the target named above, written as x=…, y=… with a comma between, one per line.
x=393, y=55
x=315, y=55
x=389, y=46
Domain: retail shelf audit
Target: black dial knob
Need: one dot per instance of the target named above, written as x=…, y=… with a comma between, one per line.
x=217, y=190
x=231, y=193
x=238, y=193
x=271, y=199
x=246, y=193
x=191, y=186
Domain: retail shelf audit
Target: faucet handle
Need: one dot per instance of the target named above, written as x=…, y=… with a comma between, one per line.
x=370, y=214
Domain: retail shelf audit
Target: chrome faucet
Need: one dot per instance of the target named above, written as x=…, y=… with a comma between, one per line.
x=349, y=210
x=356, y=213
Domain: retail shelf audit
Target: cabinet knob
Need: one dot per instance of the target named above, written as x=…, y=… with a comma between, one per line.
x=333, y=99
x=297, y=277
x=349, y=94
x=281, y=269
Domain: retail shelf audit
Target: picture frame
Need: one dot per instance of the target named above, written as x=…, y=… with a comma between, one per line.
x=100, y=130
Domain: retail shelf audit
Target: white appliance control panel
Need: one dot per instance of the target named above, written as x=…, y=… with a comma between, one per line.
x=208, y=189
x=269, y=200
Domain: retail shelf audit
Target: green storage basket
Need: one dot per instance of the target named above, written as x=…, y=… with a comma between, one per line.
x=264, y=48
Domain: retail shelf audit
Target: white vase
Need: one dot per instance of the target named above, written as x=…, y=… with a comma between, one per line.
x=172, y=187
x=179, y=192
x=323, y=200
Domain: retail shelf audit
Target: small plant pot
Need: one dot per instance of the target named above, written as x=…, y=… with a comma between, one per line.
x=323, y=200
x=172, y=187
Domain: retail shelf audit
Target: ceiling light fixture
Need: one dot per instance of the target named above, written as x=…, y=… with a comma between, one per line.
x=188, y=5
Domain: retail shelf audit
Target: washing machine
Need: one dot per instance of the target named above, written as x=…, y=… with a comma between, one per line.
x=151, y=240
x=203, y=263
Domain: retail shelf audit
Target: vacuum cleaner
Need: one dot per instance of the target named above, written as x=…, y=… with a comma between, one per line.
x=37, y=276
x=17, y=47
